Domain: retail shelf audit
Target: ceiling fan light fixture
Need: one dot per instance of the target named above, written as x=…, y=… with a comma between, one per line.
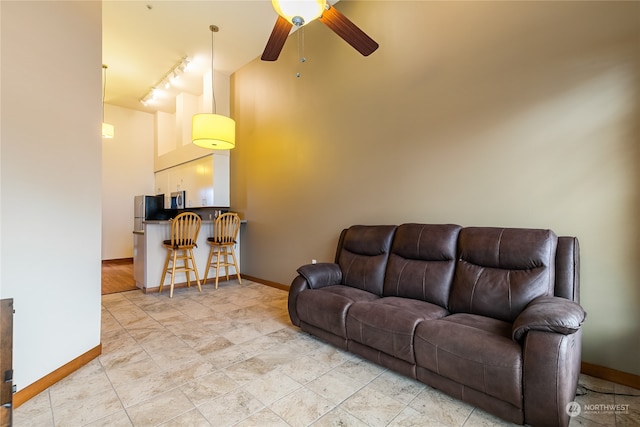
x=302, y=12
x=299, y=12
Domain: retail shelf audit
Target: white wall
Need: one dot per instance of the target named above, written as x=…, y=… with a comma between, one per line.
x=127, y=171
x=50, y=181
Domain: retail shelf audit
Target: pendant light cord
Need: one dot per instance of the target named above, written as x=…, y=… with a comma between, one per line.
x=104, y=87
x=213, y=29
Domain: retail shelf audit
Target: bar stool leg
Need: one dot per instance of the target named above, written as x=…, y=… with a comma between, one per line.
x=164, y=271
x=173, y=272
x=195, y=269
x=225, y=262
x=206, y=272
x=218, y=254
x=235, y=264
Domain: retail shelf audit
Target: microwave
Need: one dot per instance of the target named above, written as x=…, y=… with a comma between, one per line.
x=178, y=199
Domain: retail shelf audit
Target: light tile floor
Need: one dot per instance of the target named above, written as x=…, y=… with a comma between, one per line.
x=231, y=357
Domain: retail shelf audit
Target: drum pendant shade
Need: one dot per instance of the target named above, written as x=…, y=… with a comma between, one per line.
x=213, y=131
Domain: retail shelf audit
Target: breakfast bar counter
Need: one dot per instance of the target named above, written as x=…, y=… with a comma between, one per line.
x=149, y=255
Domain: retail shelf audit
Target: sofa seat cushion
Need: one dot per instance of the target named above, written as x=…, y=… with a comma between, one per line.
x=388, y=324
x=326, y=308
x=474, y=351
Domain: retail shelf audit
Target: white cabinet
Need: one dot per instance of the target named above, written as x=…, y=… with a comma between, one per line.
x=203, y=183
x=221, y=181
x=213, y=181
x=205, y=180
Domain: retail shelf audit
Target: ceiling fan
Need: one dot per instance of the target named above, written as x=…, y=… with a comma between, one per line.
x=301, y=12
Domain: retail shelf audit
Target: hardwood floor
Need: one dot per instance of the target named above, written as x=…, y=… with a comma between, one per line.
x=117, y=276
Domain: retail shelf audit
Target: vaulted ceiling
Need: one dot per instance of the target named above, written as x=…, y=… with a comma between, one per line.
x=143, y=40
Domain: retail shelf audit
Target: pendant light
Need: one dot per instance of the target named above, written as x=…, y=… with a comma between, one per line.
x=212, y=130
x=107, y=129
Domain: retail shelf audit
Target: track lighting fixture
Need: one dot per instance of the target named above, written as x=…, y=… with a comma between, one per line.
x=170, y=78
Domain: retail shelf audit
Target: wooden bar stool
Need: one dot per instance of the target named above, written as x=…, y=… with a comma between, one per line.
x=225, y=234
x=184, y=234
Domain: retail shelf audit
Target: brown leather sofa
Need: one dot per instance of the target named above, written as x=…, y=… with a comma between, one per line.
x=487, y=315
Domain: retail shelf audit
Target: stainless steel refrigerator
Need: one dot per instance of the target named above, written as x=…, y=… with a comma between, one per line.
x=146, y=207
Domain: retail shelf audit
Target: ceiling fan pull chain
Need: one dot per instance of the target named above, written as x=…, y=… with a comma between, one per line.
x=301, y=48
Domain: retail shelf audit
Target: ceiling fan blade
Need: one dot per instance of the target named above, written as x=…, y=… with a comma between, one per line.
x=349, y=32
x=276, y=40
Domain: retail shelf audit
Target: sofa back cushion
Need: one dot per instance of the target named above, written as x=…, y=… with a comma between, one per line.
x=500, y=270
x=422, y=262
x=362, y=254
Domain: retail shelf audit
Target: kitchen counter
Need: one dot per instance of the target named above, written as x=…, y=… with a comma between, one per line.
x=149, y=255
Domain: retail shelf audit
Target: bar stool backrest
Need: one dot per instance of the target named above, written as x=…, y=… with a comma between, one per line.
x=226, y=228
x=184, y=230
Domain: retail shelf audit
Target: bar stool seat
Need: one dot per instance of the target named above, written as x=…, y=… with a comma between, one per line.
x=184, y=234
x=226, y=228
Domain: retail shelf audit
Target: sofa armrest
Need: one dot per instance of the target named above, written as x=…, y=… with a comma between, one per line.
x=551, y=367
x=311, y=276
x=298, y=285
x=549, y=314
x=321, y=275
